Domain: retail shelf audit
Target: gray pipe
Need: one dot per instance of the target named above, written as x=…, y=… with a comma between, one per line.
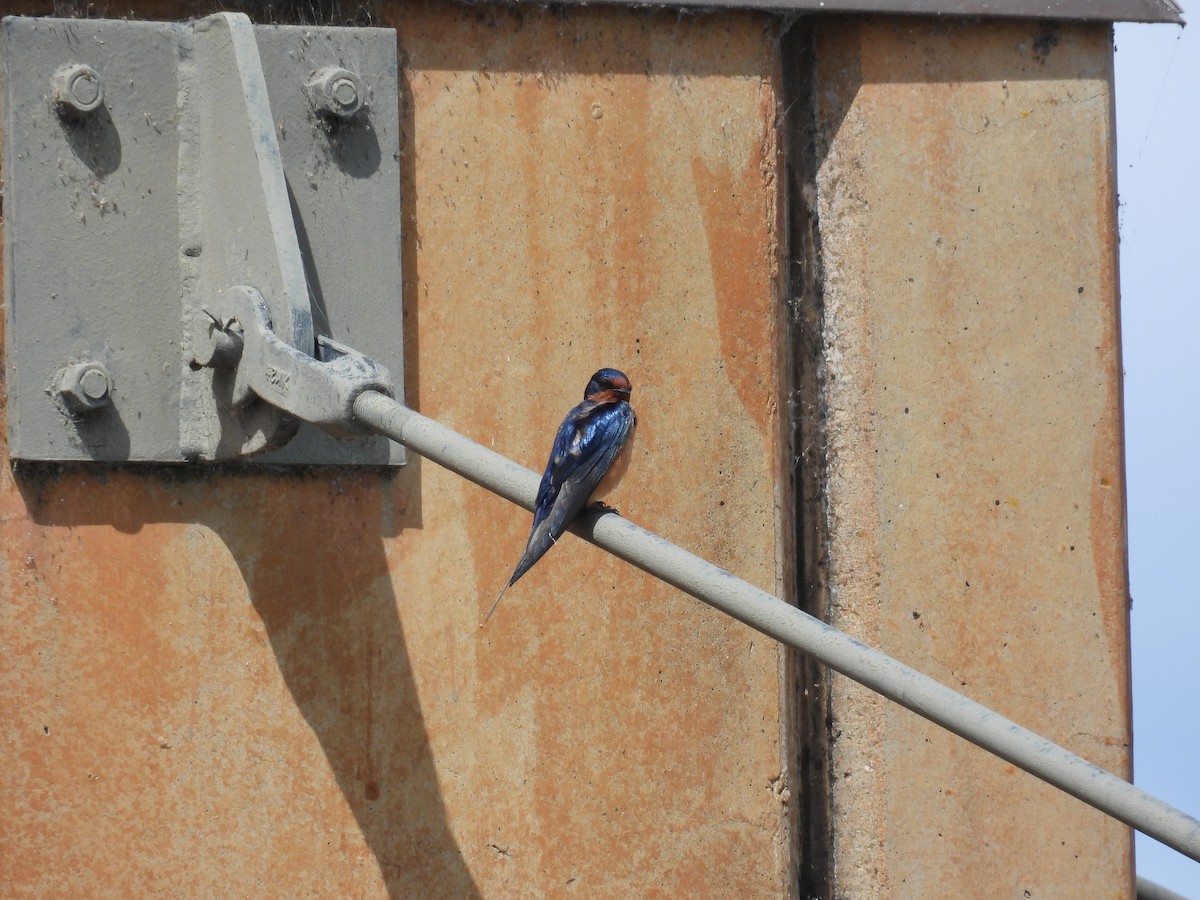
x=789, y=625
x=1149, y=890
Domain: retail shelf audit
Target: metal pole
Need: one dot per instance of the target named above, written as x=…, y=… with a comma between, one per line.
x=789, y=625
x=1149, y=890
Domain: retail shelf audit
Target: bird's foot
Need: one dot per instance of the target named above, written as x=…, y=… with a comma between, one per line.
x=602, y=507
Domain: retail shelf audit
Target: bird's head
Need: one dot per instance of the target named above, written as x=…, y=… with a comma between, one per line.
x=607, y=386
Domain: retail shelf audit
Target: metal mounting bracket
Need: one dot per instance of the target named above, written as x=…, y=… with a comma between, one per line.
x=200, y=220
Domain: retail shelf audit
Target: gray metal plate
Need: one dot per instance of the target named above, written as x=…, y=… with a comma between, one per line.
x=92, y=234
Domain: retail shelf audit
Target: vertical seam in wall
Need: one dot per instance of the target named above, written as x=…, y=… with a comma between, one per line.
x=803, y=282
x=790, y=791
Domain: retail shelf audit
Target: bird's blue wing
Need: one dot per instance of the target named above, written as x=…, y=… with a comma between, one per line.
x=551, y=478
x=585, y=447
x=591, y=446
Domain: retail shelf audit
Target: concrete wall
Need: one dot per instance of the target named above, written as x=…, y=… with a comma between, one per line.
x=231, y=682
x=964, y=184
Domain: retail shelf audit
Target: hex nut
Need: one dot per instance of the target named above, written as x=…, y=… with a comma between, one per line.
x=78, y=88
x=84, y=387
x=335, y=91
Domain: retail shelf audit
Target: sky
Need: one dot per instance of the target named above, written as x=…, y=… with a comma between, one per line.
x=1158, y=183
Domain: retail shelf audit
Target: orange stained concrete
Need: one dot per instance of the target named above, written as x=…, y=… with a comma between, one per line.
x=233, y=683
x=975, y=474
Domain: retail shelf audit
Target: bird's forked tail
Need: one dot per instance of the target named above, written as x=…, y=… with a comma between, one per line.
x=497, y=602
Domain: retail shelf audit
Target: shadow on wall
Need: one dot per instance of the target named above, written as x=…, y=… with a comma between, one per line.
x=310, y=548
x=843, y=53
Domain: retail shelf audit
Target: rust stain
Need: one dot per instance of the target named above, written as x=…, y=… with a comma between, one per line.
x=626, y=275
x=739, y=232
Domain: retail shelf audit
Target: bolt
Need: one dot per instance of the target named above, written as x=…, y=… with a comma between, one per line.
x=78, y=88
x=336, y=92
x=84, y=387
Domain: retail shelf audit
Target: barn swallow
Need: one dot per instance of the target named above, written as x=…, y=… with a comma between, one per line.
x=590, y=454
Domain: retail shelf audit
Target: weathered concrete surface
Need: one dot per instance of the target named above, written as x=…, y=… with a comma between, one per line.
x=975, y=485
x=235, y=683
